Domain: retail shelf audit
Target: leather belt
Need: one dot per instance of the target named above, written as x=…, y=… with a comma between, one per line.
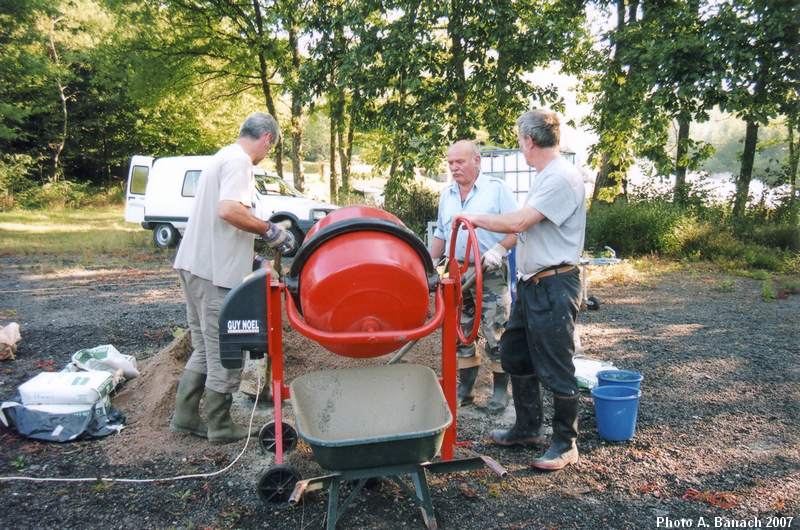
x=550, y=272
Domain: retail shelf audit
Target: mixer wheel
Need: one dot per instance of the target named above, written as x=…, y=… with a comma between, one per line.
x=266, y=437
x=276, y=483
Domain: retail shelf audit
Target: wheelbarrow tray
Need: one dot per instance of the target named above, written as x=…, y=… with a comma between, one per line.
x=371, y=417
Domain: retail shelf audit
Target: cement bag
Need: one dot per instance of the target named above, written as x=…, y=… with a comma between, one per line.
x=66, y=388
x=62, y=423
x=9, y=337
x=108, y=358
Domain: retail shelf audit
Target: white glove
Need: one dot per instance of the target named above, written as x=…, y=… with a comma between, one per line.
x=492, y=259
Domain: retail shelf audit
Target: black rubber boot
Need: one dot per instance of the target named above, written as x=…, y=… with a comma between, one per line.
x=562, y=451
x=499, y=400
x=466, y=382
x=187, y=405
x=221, y=429
x=527, y=429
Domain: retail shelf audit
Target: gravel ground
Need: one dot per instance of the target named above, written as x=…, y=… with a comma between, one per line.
x=717, y=437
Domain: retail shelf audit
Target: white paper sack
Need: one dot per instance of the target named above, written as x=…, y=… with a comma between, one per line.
x=65, y=388
x=108, y=358
x=9, y=337
x=586, y=370
x=102, y=407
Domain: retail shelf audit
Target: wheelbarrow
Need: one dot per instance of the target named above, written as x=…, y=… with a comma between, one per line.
x=381, y=421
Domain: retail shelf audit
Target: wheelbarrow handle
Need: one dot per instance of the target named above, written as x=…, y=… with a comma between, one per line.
x=365, y=337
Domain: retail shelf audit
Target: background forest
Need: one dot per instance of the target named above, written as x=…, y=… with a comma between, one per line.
x=85, y=84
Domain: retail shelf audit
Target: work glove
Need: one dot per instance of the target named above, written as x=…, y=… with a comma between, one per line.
x=280, y=240
x=492, y=259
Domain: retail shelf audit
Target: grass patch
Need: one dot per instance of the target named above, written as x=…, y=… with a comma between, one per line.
x=642, y=271
x=767, y=290
x=724, y=286
x=89, y=236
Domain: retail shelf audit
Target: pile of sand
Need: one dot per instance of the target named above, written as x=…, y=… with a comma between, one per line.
x=148, y=402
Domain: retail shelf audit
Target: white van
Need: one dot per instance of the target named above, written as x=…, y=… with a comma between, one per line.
x=160, y=192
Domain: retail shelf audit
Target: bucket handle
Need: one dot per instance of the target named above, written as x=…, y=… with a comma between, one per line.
x=365, y=337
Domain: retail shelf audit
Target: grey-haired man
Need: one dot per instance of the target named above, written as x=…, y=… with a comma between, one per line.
x=216, y=253
x=538, y=343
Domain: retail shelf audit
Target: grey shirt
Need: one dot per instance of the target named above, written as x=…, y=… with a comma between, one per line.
x=211, y=247
x=558, y=193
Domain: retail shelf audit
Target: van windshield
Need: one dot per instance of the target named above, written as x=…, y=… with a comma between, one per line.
x=274, y=185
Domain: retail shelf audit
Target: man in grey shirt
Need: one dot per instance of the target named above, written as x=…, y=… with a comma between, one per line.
x=216, y=253
x=538, y=343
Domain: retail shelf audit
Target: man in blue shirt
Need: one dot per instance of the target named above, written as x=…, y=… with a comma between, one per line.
x=471, y=192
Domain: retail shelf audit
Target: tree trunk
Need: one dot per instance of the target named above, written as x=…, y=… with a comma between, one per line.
x=334, y=179
x=350, y=133
x=62, y=95
x=458, y=58
x=341, y=147
x=265, y=88
x=604, y=178
x=298, y=173
x=746, y=170
x=681, y=193
x=791, y=172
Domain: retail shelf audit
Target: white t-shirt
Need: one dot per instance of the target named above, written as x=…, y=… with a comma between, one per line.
x=212, y=248
x=558, y=193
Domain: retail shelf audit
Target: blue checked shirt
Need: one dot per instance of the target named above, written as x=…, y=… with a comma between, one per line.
x=488, y=195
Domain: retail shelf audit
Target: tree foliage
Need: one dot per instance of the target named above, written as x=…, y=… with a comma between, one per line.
x=87, y=83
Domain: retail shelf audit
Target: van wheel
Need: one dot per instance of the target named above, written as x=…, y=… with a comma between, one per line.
x=165, y=236
x=298, y=236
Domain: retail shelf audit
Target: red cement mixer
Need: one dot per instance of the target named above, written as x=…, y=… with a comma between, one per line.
x=360, y=286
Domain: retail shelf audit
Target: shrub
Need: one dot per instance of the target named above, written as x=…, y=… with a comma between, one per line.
x=62, y=194
x=632, y=228
x=699, y=239
x=784, y=236
x=415, y=206
x=15, y=173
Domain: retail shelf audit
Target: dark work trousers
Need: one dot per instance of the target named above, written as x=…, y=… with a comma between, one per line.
x=539, y=337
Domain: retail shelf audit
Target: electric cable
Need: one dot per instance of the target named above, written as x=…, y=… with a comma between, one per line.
x=147, y=480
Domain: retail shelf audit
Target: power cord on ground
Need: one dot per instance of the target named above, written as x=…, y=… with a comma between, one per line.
x=147, y=480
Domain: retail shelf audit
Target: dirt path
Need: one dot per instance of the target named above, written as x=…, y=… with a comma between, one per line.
x=717, y=435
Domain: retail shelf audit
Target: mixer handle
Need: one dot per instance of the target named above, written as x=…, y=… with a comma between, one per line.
x=457, y=271
x=365, y=337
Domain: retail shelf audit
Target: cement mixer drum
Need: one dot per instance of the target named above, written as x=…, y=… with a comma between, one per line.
x=361, y=270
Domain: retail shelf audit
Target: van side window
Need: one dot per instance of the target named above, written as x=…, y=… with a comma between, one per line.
x=190, y=183
x=139, y=179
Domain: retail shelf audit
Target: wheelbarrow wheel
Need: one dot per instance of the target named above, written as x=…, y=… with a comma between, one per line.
x=266, y=437
x=276, y=483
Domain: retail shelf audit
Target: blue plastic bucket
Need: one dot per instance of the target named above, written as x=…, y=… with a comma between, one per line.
x=615, y=408
x=619, y=378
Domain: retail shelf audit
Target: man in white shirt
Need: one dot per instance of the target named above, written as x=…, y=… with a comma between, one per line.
x=538, y=343
x=473, y=192
x=215, y=254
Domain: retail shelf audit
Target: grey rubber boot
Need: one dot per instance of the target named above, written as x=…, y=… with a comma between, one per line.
x=562, y=451
x=528, y=428
x=466, y=382
x=221, y=429
x=187, y=405
x=499, y=399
